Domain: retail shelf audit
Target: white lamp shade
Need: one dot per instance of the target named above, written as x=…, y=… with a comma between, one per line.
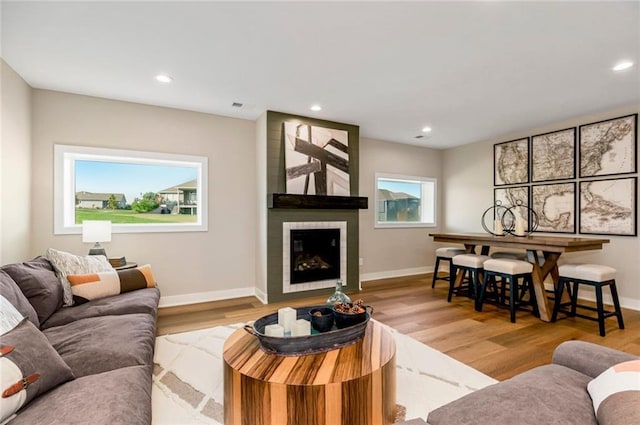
x=96, y=231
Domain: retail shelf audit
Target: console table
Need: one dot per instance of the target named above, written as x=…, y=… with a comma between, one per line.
x=355, y=384
x=551, y=246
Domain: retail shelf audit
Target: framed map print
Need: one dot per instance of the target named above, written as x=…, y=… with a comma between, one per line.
x=609, y=147
x=512, y=196
x=608, y=207
x=511, y=162
x=553, y=156
x=555, y=205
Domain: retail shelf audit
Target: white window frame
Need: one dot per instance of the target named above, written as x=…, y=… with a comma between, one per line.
x=64, y=186
x=427, y=192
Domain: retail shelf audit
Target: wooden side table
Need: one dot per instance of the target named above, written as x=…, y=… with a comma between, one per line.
x=353, y=385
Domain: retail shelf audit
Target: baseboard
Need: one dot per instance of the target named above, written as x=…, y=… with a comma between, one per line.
x=264, y=299
x=395, y=273
x=203, y=297
x=625, y=302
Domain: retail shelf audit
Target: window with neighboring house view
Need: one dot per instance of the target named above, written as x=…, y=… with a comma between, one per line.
x=136, y=191
x=405, y=201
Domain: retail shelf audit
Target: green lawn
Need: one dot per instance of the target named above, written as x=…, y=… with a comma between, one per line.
x=129, y=216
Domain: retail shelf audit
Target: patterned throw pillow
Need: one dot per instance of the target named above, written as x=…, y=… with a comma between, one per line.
x=65, y=264
x=105, y=284
x=29, y=365
x=616, y=394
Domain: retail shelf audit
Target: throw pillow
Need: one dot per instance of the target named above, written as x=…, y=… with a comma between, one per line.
x=38, y=282
x=105, y=284
x=617, y=390
x=9, y=290
x=29, y=365
x=65, y=264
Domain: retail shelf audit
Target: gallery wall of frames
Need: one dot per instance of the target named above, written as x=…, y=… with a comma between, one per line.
x=577, y=180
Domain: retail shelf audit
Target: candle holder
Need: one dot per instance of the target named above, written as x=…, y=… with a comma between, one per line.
x=506, y=220
x=499, y=226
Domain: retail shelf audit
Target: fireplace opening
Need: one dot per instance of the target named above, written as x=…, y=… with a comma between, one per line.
x=315, y=255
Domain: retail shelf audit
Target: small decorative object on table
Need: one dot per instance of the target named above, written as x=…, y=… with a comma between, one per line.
x=321, y=318
x=510, y=220
x=117, y=261
x=349, y=314
x=338, y=296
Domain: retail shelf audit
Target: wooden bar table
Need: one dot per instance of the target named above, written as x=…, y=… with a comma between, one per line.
x=551, y=246
x=354, y=385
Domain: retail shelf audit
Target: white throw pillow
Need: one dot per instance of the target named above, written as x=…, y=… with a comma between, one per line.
x=65, y=264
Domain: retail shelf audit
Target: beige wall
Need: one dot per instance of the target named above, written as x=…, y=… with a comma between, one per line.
x=189, y=266
x=468, y=191
x=15, y=166
x=394, y=252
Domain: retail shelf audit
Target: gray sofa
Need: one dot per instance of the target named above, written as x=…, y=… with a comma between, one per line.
x=107, y=344
x=550, y=394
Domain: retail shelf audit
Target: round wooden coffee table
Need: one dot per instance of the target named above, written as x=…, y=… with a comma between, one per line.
x=353, y=385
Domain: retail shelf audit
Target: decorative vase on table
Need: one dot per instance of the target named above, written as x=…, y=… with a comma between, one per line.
x=338, y=296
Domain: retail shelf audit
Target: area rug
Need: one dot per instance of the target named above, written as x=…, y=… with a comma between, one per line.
x=188, y=389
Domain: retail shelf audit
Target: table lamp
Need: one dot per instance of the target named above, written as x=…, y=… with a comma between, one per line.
x=96, y=231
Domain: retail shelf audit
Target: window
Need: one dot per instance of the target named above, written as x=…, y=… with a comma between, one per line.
x=405, y=201
x=136, y=191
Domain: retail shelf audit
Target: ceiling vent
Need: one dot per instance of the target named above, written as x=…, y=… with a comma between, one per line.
x=237, y=105
x=419, y=136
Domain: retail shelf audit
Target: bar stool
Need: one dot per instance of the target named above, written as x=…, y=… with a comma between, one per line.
x=472, y=264
x=445, y=254
x=594, y=275
x=510, y=271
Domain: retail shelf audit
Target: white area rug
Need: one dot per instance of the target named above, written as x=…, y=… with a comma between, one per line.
x=188, y=389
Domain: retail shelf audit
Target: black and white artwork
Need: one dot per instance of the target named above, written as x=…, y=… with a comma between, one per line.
x=316, y=160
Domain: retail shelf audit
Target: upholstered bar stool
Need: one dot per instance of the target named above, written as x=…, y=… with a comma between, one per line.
x=594, y=275
x=473, y=265
x=445, y=254
x=511, y=272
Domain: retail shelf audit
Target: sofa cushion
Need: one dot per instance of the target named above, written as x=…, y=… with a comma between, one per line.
x=620, y=409
x=621, y=383
x=38, y=282
x=11, y=292
x=548, y=394
x=65, y=263
x=121, y=396
x=141, y=301
x=27, y=356
x=93, y=286
x=99, y=344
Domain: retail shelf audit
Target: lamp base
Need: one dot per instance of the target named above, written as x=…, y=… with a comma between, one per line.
x=97, y=249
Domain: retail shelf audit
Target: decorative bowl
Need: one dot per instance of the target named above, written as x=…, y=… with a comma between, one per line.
x=344, y=320
x=322, y=322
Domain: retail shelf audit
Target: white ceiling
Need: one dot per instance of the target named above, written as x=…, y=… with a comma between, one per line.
x=470, y=70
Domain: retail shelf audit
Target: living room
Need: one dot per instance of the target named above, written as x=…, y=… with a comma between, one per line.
x=224, y=263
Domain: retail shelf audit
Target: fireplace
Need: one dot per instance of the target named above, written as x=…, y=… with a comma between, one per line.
x=314, y=255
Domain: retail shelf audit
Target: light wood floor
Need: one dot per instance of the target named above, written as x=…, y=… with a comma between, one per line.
x=487, y=341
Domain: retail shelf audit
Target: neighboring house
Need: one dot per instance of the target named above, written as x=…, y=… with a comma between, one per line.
x=397, y=206
x=181, y=198
x=98, y=200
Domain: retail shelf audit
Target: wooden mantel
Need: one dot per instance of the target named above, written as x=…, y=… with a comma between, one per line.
x=284, y=200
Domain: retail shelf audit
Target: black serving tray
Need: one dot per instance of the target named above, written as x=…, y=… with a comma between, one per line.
x=308, y=344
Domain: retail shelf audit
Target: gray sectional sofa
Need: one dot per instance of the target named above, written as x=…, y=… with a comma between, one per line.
x=551, y=394
x=107, y=344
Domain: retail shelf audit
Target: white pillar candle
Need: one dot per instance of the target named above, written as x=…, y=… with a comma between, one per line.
x=520, y=227
x=274, y=330
x=497, y=227
x=286, y=317
x=301, y=327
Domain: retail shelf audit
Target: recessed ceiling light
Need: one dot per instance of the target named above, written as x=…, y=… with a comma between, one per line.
x=316, y=108
x=163, y=78
x=426, y=129
x=622, y=65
